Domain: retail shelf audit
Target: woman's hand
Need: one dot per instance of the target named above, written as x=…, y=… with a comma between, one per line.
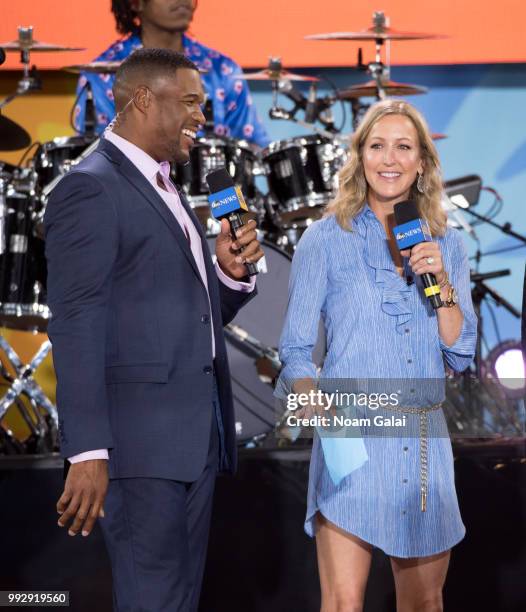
x=426, y=258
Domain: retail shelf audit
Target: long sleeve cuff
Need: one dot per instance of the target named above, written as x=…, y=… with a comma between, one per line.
x=101, y=453
x=235, y=285
x=460, y=354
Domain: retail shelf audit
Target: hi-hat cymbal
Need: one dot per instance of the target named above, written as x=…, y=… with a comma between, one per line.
x=275, y=75
x=374, y=33
x=12, y=135
x=35, y=46
x=370, y=89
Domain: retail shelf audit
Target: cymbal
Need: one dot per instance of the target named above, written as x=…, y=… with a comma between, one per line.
x=370, y=89
x=35, y=46
x=12, y=135
x=275, y=75
x=374, y=33
x=102, y=67
x=98, y=67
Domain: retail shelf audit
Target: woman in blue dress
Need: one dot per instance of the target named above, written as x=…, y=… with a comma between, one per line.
x=394, y=491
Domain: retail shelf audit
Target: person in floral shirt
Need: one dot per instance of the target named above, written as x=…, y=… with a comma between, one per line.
x=164, y=24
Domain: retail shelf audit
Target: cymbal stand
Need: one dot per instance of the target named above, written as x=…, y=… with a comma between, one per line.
x=281, y=113
x=30, y=80
x=377, y=69
x=23, y=384
x=358, y=110
x=275, y=67
x=475, y=404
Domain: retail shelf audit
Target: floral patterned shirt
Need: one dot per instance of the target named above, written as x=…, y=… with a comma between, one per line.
x=234, y=112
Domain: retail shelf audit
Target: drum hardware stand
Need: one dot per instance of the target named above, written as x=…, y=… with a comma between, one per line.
x=24, y=384
x=505, y=228
x=275, y=67
x=281, y=113
x=30, y=80
x=377, y=69
x=480, y=292
x=267, y=358
x=9, y=445
x=474, y=401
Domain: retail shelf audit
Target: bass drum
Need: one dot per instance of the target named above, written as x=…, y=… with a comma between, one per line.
x=262, y=318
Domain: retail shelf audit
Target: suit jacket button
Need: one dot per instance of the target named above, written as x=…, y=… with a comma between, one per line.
x=207, y=370
x=205, y=318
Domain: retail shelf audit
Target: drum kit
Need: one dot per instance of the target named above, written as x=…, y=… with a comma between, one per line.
x=301, y=176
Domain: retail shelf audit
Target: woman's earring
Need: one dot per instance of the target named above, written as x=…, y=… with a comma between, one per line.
x=420, y=183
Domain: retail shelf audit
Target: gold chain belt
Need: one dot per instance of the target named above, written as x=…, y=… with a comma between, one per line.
x=422, y=412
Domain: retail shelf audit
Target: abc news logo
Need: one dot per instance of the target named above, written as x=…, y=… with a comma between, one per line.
x=408, y=234
x=224, y=201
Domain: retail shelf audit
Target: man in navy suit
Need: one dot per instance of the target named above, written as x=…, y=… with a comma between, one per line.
x=143, y=385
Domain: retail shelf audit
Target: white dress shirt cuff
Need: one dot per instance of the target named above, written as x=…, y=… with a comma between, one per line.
x=101, y=453
x=233, y=284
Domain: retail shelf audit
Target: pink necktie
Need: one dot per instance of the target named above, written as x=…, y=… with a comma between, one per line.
x=164, y=182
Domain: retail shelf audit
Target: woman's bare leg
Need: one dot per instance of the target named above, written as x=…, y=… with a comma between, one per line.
x=419, y=582
x=343, y=563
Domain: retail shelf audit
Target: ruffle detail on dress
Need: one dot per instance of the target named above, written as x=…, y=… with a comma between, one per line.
x=395, y=291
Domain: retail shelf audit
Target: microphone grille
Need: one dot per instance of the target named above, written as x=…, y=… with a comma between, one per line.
x=219, y=180
x=405, y=212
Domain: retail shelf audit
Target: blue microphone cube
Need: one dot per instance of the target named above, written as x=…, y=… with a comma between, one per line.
x=226, y=201
x=411, y=233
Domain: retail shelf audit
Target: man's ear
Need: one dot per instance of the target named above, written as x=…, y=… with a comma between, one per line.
x=142, y=98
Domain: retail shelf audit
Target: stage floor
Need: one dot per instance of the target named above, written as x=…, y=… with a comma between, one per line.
x=259, y=557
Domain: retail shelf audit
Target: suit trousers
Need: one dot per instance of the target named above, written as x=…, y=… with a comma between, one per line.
x=156, y=532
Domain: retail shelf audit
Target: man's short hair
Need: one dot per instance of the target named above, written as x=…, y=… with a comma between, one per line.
x=146, y=65
x=154, y=63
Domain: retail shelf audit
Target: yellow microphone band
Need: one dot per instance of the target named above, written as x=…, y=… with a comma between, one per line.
x=433, y=290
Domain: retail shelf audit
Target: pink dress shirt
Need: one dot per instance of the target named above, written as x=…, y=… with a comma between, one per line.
x=150, y=169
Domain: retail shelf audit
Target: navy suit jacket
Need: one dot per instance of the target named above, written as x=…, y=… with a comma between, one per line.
x=130, y=324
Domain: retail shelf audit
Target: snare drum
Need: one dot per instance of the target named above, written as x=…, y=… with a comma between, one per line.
x=302, y=176
x=240, y=159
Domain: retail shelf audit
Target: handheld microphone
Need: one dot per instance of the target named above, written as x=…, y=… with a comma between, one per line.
x=409, y=231
x=226, y=202
x=311, y=109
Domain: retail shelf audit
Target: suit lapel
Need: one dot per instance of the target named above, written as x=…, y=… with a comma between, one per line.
x=136, y=178
x=195, y=221
x=132, y=174
x=210, y=271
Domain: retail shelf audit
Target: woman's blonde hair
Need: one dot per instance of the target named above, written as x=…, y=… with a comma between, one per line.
x=352, y=192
